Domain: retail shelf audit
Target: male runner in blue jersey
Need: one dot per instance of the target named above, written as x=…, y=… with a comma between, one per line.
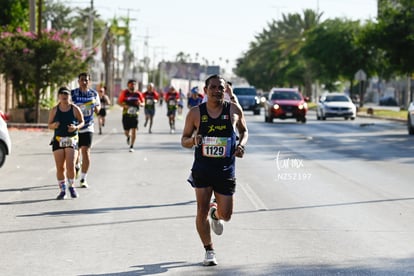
x=88, y=101
x=211, y=128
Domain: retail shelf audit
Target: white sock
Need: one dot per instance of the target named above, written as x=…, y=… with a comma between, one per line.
x=62, y=185
x=70, y=182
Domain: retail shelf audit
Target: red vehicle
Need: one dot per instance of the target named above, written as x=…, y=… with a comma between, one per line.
x=4, y=116
x=285, y=103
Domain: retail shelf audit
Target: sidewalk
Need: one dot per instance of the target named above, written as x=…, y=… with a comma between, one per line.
x=365, y=114
x=26, y=125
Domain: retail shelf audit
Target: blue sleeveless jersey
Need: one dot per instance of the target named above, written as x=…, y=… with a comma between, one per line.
x=216, y=153
x=86, y=102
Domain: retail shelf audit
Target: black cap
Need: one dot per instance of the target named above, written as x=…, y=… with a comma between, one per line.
x=64, y=90
x=131, y=80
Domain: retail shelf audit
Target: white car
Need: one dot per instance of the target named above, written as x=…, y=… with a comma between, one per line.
x=410, y=119
x=335, y=105
x=5, y=142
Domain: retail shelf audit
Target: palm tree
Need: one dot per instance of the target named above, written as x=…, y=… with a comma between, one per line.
x=293, y=32
x=182, y=57
x=276, y=53
x=58, y=15
x=80, y=26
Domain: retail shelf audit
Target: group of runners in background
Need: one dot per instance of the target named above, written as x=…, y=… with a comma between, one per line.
x=214, y=126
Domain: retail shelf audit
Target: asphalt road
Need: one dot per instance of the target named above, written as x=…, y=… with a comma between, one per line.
x=321, y=198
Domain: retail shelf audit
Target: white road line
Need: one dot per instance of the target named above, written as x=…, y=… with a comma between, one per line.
x=253, y=197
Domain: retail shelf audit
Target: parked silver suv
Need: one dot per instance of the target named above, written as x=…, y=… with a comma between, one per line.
x=5, y=142
x=248, y=98
x=410, y=119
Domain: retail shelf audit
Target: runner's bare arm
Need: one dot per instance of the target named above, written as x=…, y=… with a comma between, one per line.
x=188, y=140
x=51, y=123
x=241, y=126
x=79, y=117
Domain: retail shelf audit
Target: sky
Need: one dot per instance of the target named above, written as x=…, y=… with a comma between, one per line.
x=218, y=30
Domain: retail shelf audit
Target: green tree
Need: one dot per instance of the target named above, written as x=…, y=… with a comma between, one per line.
x=255, y=67
x=35, y=63
x=394, y=34
x=182, y=57
x=379, y=65
x=62, y=18
x=14, y=14
x=336, y=49
x=59, y=15
x=79, y=26
x=396, y=37
x=121, y=35
x=275, y=57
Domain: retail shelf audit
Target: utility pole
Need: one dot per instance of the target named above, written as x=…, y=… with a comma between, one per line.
x=279, y=13
x=128, y=10
x=89, y=41
x=146, y=59
x=39, y=18
x=127, y=57
x=161, y=75
x=146, y=54
x=408, y=97
x=154, y=64
x=38, y=69
x=32, y=15
x=108, y=54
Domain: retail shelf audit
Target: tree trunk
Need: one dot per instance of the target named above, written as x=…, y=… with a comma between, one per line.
x=408, y=94
x=37, y=107
x=308, y=83
x=108, y=58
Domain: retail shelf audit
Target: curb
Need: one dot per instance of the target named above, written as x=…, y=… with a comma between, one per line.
x=26, y=125
x=381, y=118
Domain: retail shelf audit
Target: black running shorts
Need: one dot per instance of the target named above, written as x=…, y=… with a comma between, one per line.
x=85, y=139
x=224, y=186
x=129, y=122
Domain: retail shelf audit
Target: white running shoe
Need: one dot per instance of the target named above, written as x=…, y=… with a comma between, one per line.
x=210, y=258
x=131, y=150
x=83, y=183
x=77, y=170
x=216, y=224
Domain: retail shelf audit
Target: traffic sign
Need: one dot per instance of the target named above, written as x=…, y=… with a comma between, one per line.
x=360, y=75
